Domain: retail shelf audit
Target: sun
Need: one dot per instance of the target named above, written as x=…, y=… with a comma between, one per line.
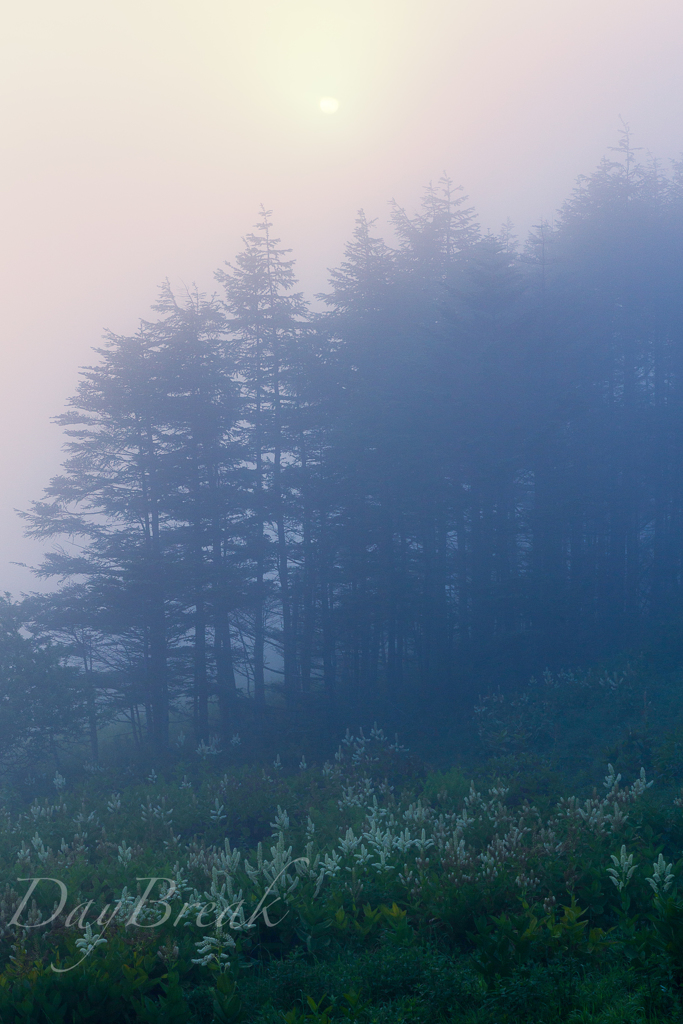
x=329, y=105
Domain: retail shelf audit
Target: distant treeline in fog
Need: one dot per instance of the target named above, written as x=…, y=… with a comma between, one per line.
x=468, y=467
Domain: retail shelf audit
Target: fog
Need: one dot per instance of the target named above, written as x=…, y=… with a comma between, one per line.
x=140, y=139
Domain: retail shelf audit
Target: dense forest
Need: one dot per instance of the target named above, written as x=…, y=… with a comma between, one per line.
x=447, y=498
x=462, y=467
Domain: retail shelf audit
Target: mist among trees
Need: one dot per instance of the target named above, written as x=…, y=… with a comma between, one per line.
x=461, y=467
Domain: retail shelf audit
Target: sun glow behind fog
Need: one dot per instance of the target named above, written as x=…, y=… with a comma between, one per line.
x=321, y=57
x=141, y=138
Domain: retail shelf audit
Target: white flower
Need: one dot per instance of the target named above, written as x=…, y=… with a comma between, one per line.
x=24, y=855
x=662, y=875
x=397, y=746
x=640, y=785
x=403, y=841
x=125, y=853
x=213, y=949
x=349, y=843
x=623, y=868
x=216, y=814
x=281, y=823
x=40, y=849
x=423, y=843
x=332, y=864
x=91, y=940
x=381, y=865
x=363, y=857
x=204, y=749
x=160, y=811
x=126, y=903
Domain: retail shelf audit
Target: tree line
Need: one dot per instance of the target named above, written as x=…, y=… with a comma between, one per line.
x=465, y=468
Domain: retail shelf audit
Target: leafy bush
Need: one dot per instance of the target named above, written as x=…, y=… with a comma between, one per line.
x=349, y=891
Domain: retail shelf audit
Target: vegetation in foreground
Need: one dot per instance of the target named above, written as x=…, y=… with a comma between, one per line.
x=369, y=889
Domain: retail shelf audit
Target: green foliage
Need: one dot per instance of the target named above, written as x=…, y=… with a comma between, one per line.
x=325, y=1010
x=43, y=703
x=415, y=902
x=227, y=1005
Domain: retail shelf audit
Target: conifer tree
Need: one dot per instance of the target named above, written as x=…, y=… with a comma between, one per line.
x=264, y=319
x=148, y=435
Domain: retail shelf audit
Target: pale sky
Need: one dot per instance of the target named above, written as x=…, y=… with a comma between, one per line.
x=140, y=136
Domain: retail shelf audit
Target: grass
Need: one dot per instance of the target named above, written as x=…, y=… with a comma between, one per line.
x=393, y=892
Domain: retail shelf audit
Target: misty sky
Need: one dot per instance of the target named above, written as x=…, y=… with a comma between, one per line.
x=140, y=136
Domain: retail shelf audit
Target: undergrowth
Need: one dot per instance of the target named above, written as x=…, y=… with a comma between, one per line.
x=367, y=889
